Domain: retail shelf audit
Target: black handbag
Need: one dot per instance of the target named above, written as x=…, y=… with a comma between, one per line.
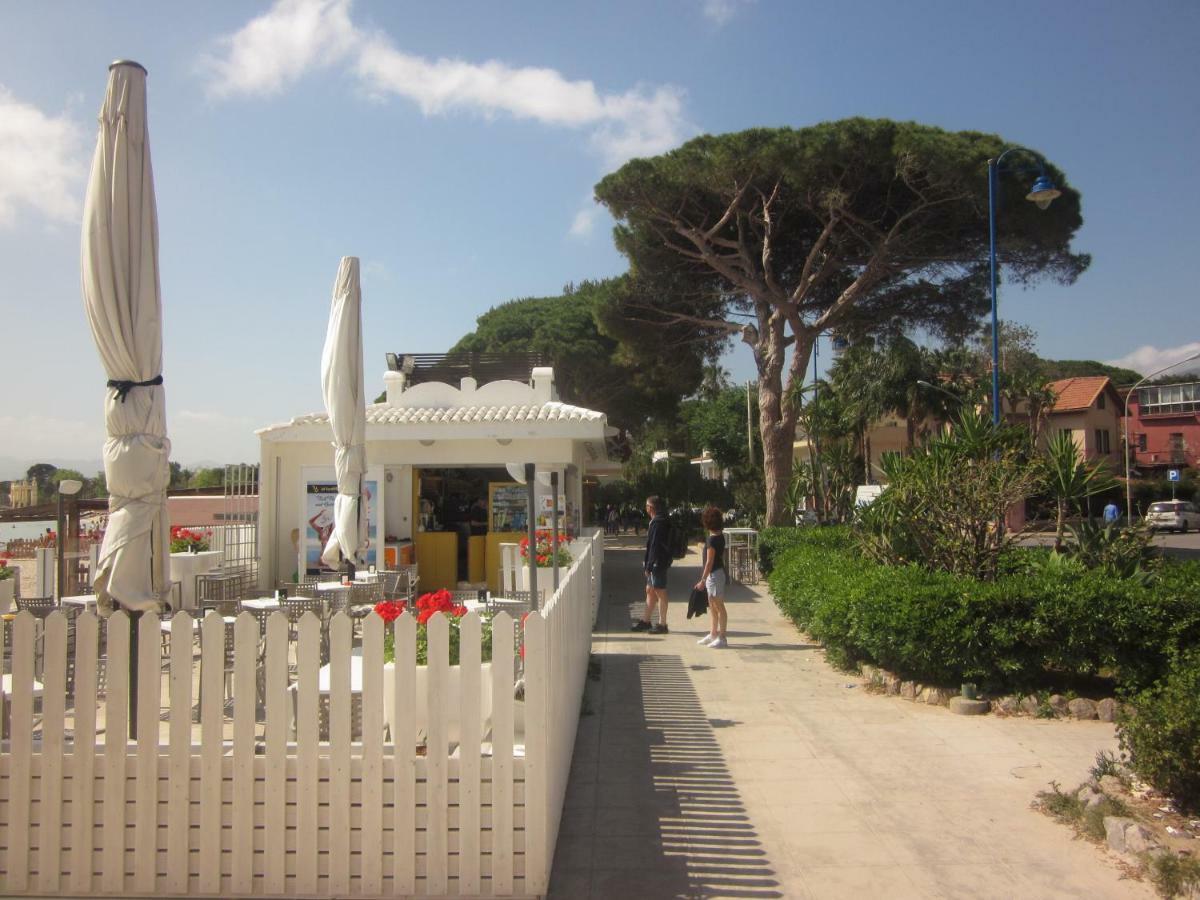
x=697, y=602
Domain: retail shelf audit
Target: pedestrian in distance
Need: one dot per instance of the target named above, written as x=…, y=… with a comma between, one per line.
x=1112, y=513
x=656, y=564
x=712, y=579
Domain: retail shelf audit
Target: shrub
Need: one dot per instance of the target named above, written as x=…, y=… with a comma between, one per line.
x=776, y=540
x=943, y=500
x=1035, y=618
x=1162, y=733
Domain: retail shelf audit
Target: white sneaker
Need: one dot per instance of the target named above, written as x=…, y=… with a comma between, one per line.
x=706, y=640
x=718, y=644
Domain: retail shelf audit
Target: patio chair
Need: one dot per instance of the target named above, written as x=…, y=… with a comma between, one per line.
x=461, y=598
x=38, y=606
x=295, y=607
x=515, y=603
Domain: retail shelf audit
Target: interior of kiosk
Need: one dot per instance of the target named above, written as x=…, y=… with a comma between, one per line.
x=462, y=515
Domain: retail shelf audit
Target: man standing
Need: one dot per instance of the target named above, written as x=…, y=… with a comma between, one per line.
x=656, y=564
x=1111, y=513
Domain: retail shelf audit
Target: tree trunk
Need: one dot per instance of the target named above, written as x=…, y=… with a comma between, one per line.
x=1060, y=524
x=776, y=413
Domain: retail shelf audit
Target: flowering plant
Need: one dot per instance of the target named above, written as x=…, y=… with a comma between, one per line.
x=426, y=605
x=5, y=571
x=186, y=540
x=545, y=552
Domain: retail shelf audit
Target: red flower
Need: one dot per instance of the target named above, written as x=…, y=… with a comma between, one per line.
x=389, y=610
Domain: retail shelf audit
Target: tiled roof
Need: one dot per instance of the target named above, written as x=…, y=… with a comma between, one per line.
x=1077, y=393
x=384, y=414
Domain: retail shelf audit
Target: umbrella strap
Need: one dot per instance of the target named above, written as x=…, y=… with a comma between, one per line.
x=124, y=387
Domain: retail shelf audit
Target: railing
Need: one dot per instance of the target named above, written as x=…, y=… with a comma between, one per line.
x=436, y=780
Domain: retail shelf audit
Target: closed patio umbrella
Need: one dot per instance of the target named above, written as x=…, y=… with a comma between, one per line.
x=124, y=308
x=342, y=385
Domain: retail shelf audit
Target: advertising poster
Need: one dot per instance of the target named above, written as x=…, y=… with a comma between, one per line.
x=319, y=496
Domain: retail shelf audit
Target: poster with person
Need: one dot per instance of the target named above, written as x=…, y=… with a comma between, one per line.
x=320, y=492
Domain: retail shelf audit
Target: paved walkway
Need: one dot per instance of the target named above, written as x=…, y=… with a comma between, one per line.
x=759, y=771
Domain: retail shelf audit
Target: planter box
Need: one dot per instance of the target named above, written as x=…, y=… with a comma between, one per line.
x=453, y=706
x=8, y=589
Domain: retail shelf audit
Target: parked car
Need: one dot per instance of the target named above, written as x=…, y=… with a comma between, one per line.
x=1173, y=515
x=806, y=517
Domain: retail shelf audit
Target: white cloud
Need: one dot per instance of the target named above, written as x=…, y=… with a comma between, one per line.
x=719, y=12
x=584, y=223
x=278, y=47
x=1149, y=359
x=294, y=36
x=41, y=163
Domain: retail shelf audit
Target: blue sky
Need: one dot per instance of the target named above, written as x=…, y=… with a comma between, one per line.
x=453, y=147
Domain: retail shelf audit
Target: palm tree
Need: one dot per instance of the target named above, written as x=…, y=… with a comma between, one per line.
x=1069, y=479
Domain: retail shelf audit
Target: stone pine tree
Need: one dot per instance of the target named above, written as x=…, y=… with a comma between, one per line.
x=856, y=226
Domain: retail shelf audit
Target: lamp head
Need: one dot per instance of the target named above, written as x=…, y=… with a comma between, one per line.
x=1043, y=192
x=70, y=486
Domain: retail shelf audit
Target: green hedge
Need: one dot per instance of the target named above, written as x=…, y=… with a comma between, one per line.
x=1162, y=735
x=1006, y=633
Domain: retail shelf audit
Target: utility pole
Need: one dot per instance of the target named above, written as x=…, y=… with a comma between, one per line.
x=749, y=428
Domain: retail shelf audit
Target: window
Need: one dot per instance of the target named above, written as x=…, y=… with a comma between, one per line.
x=1141, y=442
x=1169, y=399
x=1100, y=401
x=1102, y=441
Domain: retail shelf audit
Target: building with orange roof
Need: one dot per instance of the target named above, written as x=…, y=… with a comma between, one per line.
x=1089, y=409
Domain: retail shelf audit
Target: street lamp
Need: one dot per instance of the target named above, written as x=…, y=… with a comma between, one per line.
x=1042, y=193
x=68, y=487
x=1128, y=486
x=953, y=396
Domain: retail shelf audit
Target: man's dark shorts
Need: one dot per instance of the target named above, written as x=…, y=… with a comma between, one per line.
x=657, y=577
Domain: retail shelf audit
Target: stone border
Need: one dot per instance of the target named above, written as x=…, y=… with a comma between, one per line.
x=1056, y=706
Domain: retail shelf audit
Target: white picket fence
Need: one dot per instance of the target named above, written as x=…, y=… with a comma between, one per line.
x=462, y=798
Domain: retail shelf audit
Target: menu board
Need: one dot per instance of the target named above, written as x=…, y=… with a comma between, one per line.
x=507, y=506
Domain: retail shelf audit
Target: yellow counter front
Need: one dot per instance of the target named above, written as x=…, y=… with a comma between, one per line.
x=437, y=560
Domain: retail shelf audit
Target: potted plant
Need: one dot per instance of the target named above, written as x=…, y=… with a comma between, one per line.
x=425, y=607
x=188, y=540
x=546, y=554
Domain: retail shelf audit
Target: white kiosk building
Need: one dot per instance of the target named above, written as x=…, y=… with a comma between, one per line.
x=441, y=487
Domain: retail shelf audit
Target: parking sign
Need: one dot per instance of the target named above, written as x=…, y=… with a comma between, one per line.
x=1172, y=474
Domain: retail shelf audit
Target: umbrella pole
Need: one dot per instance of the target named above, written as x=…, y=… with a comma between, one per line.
x=135, y=621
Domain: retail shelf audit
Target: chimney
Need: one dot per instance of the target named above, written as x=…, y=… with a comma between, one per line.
x=393, y=382
x=543, y=385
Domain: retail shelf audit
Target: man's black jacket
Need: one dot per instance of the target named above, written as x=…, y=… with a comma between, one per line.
x=658, y=543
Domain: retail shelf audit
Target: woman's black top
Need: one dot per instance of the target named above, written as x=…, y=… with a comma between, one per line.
x=716, y=542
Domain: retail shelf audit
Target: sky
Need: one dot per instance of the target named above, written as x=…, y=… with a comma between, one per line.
x=453, y=147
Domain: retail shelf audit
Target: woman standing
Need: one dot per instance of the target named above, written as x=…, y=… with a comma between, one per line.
x=714, y=562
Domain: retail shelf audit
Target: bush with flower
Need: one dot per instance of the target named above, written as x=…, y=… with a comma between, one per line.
x=425, y=607
x=545, y=551
x=5, y=571
x=188, y=540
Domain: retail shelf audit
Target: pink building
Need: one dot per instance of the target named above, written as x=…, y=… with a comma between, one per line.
x=1164, y=427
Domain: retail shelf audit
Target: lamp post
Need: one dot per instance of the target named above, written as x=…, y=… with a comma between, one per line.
x=1042, y=193
x=1125, y=420
x=68, y=487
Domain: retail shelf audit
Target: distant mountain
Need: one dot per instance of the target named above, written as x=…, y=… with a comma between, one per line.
x=1055, y=369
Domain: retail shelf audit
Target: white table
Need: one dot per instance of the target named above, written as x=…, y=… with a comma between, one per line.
x=262, y=604
x=85, y=602
x=184, y=569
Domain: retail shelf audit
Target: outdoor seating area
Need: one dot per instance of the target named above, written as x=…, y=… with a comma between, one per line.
x=454, y=720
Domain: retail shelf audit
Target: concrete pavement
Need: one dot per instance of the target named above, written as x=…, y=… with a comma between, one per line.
x=760, y=771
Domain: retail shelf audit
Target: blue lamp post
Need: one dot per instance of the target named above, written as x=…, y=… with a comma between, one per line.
x=1042, y=193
